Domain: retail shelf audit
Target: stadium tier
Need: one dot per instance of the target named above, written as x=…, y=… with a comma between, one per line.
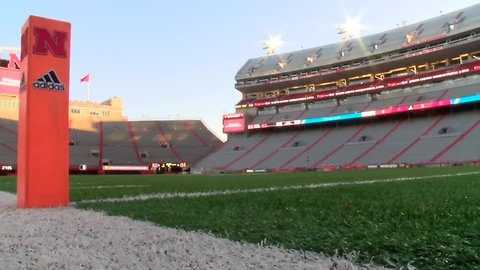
x=102, y=140
x=408, y=96
x=124, y=146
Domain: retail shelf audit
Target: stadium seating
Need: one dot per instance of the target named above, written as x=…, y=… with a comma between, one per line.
x=8, y=142
x=315, y=107
x=152, y=144
x=432, y=143
x=124, y=143
x=414, y=141
x=118, y=144
x=190, y=139
x=144, y=142
x=388, y=98
x=84, y=148
x=234, y=149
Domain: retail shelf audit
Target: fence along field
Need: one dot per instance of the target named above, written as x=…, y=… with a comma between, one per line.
x=427, y=217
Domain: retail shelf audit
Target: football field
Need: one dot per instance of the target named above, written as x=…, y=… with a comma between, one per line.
x=425, y=217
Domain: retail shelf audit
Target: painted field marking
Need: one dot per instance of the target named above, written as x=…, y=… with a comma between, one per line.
x=144, y=197
x=108, y=187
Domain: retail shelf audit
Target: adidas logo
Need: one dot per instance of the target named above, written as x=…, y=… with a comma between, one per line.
x=49, y=81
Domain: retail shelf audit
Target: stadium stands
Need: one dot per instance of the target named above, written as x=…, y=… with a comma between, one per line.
x=84, y=148
x=8, y=142
x=407, y=96
x=148, y=142
x=410, y=97
x=118, y=144
x=124, y=143
x=152, y=145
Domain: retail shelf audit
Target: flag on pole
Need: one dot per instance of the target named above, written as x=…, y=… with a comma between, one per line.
x=85, y=79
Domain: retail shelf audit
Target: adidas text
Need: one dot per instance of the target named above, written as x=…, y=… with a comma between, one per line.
x=49, y=81
x=49, y=86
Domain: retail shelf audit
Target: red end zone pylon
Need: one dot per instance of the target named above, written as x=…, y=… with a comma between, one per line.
x=42, y=165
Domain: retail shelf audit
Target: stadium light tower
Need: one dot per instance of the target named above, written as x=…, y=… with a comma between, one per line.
x=272, y=45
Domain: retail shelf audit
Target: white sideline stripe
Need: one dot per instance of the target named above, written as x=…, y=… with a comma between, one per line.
x=107, y=187
x=144, y=197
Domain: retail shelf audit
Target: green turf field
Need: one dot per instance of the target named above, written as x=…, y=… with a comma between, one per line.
x=427, y=221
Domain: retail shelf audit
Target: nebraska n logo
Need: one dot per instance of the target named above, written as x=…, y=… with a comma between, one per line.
x=49, y=81
x=44, y=42
x=55, y=43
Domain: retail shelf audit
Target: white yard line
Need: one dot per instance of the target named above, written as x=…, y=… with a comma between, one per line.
x=110, y=187
x=144, y=197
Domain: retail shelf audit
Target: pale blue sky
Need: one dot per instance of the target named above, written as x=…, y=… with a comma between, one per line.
x=178, y=59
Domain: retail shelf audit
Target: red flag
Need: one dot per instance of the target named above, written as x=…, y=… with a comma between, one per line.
x=85, y=79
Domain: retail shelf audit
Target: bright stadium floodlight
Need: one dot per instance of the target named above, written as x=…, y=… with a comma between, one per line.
x=272, y=45
x=350, y=28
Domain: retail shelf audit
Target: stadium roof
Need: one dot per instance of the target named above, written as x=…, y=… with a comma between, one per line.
x=441, y=27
